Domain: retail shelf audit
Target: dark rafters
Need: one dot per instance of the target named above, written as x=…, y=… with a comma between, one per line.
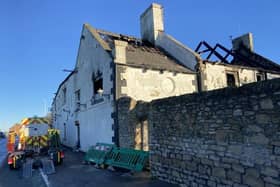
x=242, y=56
x=213, y=51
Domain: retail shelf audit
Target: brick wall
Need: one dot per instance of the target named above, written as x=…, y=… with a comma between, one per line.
x=227, y=137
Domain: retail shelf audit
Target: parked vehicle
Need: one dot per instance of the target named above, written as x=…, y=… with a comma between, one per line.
x=2, y=135
x=36, y=145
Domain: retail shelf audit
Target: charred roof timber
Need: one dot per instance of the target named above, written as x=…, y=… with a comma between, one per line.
x=241, y=56
x=214, y=51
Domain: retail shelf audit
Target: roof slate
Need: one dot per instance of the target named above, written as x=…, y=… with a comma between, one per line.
x=152, y=58
x=143, y=54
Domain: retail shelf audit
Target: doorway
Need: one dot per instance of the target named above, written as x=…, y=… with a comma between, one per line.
x=78, y=142
x=142, y=136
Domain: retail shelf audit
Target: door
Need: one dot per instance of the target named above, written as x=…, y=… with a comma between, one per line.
x=78, y=145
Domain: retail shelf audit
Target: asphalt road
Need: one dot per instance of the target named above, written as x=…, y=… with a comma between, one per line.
x=73, y=173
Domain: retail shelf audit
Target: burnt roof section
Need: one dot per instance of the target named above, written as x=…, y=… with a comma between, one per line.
x=254, y=60
x=143, y=54
x=240, y=57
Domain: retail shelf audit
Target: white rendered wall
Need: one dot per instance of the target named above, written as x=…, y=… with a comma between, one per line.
x=152, y=84
x=213, y=76
x=95, y=119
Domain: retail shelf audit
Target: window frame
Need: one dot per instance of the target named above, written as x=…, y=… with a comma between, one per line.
x=235, y=76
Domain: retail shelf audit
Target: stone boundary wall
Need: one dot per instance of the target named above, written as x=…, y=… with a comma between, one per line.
x=227, y=137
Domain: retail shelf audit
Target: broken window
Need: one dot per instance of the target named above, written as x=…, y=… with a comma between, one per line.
x=260, y=77
x=97, y=82
x=231, y=82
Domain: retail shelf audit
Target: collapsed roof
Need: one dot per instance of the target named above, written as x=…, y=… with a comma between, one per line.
x=139, y=53
x=241, y=56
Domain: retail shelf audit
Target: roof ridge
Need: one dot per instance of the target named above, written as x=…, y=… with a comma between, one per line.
x=96, y=35
x=114, y=34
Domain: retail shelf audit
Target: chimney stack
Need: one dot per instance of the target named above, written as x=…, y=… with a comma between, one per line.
x=151, y=23
x=246, y=40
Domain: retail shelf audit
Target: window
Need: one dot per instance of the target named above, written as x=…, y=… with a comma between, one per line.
x=64, y=95
x=97, y=82
x=77, y=100
x=64, y=137
x=260, y=77
x=231, y=80
x=77, y=96
x=98, y=85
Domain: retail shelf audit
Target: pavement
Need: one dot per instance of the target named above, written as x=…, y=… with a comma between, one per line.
x=74, y=173
x=3, y=151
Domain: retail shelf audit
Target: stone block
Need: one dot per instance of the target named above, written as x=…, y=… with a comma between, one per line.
x=259, y=139
x=268, y=171
x=211, y=183
x=252, y=172
x=234, y=176
x=217, y=148
x=272, y=180
x=277, y=150
x=266, y=103
x=249, y=113
x=219, y=172
x=239, y=185
x=191, y=166
x=235, y=149
x=270, y=185
x=207, y=161
x=230, y=160
x=202, y=169
x=253, y=181
x=252, y=178
x=237, y=112
x=255, y=128
x=263, y=118
x=187, y=157
x=175, y=174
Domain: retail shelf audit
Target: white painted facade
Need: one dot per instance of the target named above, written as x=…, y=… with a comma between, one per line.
x=213, y=75
x=272, y=75
x=94, y=119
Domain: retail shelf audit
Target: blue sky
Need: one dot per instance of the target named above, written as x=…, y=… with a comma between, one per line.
x=39, y=38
